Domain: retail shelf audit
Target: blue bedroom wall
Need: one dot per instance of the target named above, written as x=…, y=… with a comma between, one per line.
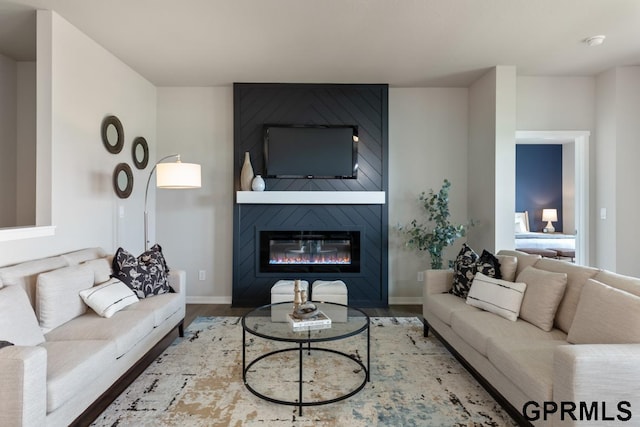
x=539, y=182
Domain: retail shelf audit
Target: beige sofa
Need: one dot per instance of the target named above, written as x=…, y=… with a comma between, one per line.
x=596, y=380
x=66, y=356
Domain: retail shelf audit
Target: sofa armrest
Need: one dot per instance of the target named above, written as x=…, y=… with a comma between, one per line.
x=178, y=281
x=437, y=281
x=598, y=373
x=23, y=386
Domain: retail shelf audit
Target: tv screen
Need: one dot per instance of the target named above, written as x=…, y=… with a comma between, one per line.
x=311, y=151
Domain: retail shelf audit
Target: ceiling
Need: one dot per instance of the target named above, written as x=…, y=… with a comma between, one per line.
x=406, y=43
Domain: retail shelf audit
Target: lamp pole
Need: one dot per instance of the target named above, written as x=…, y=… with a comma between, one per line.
x=146, y=194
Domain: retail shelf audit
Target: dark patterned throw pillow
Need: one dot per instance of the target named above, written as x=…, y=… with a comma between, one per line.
x=146, y=275
x=464, y=270
x=467, y=264
x=489, y=265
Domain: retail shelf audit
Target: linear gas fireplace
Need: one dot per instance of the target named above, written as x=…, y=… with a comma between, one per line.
x=309, y=251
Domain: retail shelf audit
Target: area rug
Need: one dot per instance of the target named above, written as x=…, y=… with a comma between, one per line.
x=197, y=381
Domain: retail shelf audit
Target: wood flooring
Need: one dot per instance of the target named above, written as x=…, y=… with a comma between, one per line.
x=207, y=310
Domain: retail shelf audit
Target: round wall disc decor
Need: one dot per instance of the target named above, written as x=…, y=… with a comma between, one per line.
x=140, y=152
x=112, y=134
x=122, y=180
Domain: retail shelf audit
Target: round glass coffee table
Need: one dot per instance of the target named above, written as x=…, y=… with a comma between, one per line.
x=270, y=322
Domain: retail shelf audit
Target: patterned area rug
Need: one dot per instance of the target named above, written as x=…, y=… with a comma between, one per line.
x=198, y=382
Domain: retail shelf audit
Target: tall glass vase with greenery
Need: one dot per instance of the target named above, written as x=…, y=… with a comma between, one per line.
x=440, y=232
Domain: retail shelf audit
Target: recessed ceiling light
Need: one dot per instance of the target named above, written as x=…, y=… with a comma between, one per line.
x=595, y=40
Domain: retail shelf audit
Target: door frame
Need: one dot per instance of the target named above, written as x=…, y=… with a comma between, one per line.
x=581, y=167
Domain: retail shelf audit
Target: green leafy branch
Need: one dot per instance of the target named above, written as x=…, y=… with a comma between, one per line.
x=435, y=237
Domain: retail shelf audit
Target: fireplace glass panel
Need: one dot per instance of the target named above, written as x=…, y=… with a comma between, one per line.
x=309, y=251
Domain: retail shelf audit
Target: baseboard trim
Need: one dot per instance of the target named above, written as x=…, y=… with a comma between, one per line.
x=227, y=300
x=208, y=300
x=405, y=300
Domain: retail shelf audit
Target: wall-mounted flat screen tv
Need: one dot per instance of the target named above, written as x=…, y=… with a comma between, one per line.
x=311, y=151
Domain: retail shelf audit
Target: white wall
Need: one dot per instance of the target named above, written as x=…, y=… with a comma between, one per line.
x=26, y=151
x=505, y=158
x=492, y=126
x=87, y=83
x=195, y=227
x=628, y=173
x=8, y=141
x=617, y=156
x=427, y=139
x=555, y=103
x=482, y=159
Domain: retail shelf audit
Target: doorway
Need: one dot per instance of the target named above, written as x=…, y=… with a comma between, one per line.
x=577, y=143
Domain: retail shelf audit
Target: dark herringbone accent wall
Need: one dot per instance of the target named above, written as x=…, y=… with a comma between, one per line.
x=362, y=105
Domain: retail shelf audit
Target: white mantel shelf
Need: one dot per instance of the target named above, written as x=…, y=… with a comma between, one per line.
x=312, y=197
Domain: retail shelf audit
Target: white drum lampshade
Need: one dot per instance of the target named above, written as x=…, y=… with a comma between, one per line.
x=178, y=175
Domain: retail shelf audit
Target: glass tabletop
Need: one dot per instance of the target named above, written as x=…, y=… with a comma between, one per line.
x=271, y=322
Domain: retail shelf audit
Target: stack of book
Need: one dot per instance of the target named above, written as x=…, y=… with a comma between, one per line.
x=318, y=321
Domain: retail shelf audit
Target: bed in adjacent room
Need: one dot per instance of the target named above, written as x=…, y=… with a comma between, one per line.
x=538, y=240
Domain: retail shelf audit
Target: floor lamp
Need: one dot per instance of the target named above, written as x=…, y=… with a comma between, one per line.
x=176, y=175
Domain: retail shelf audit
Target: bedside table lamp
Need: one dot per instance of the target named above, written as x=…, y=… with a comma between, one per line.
x=175, y=175
x=549, y=215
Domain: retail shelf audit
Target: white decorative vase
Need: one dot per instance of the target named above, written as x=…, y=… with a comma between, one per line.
x=257, y=184
x=246, y=174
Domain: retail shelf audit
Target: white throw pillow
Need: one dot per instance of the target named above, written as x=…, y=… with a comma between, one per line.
x=498, y=296
x=109, y=298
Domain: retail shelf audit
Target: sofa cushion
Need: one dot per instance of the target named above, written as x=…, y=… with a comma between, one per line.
x=108, y=298
x=524, y=259
x=83, y=255
x=605, y=315
x=146, y=274
x=125, y=328
x=542, y=297
x=101, y=269
x=161, y=306
x=497, y=296
x=57, y=295
x=625, y=283
x=18, y=323
x=477, y=327
x=508, y=266
x=443, y=305
x=577, y=276
x=25, y=274
x=529, y=365
x=72, y=366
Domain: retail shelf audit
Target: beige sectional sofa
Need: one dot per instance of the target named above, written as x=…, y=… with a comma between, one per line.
x=587, y=366
x=66, y=356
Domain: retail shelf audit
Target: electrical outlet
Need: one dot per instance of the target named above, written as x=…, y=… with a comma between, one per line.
x=201, y=275
x=420, y=276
